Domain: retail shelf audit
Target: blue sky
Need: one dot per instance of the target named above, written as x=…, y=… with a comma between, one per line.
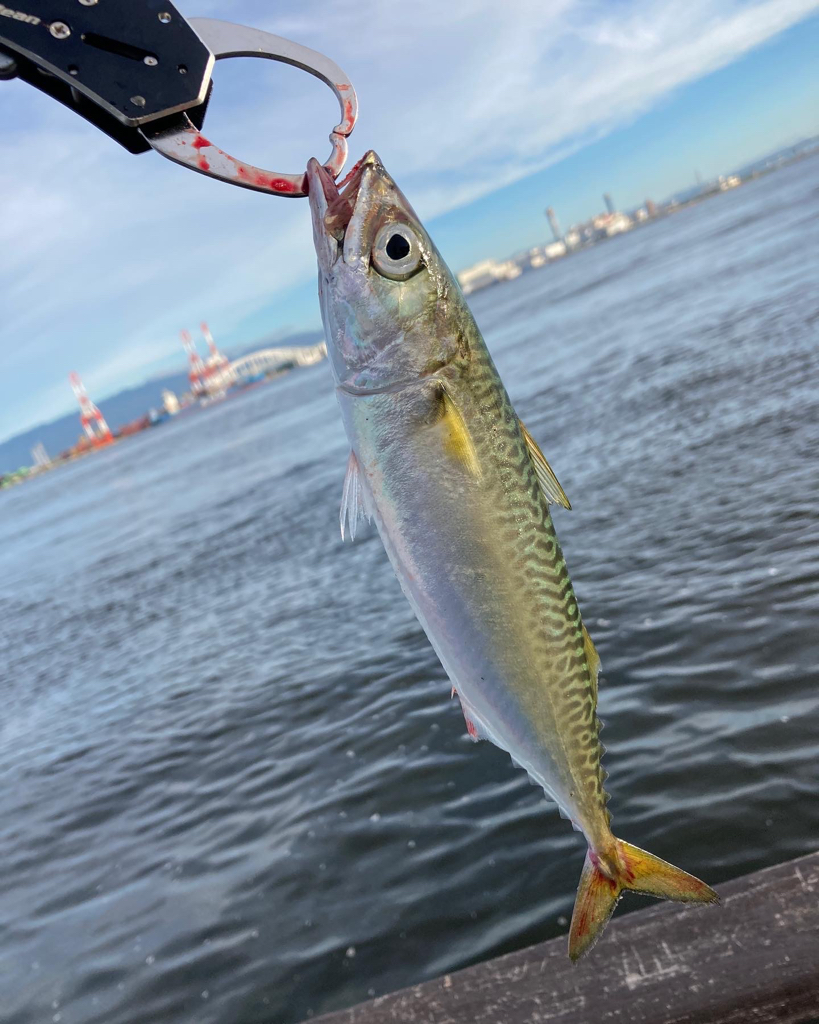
x=484, y=113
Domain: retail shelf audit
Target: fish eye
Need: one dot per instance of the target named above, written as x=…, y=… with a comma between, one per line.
x=396, y=252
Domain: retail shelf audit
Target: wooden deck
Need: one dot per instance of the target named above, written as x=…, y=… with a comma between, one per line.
x=753, y=960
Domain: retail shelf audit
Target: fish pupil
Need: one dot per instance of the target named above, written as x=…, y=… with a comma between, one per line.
x=397, y=247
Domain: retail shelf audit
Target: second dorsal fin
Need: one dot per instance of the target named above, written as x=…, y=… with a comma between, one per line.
x=548, y=481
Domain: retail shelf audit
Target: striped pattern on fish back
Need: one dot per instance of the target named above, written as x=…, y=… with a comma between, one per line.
x=566, y=696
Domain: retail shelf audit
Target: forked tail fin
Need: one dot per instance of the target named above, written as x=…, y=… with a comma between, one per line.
x=627, y=867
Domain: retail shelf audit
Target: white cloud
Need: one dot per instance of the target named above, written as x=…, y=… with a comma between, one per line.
x=104, y=256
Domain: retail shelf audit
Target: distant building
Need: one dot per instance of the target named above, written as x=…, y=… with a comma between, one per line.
x=651, y=208
x=170, y=402
x=609, y=202
x=555, y=250
x=605, y=225
x=537, y=257
x=485, y=273
x=554, y=225
x=730, y=182
x=541, y=255
x=40, y=456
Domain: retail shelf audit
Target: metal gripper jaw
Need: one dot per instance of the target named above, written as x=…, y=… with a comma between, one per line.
x=142, y=73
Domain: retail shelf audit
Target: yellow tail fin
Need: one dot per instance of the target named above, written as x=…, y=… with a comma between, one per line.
x=605, y=877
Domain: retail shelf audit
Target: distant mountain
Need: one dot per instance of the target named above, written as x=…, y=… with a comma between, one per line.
x=62, y=433
x=123, y=407
x=768, y=162
x=779, y=156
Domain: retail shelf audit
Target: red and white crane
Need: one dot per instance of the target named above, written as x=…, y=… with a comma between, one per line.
x=196, y=368
x=217, y=366
x=93, y=422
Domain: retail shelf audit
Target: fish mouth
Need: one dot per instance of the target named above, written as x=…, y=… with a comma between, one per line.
x=336, y=209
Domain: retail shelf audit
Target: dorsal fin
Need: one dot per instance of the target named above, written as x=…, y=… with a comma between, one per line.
x=548, y=481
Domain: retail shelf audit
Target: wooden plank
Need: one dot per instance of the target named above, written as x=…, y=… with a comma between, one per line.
x=754, y=959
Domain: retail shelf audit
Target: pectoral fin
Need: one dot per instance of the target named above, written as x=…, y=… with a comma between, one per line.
x=457, y=441
x=548, y=481
x=354, y=504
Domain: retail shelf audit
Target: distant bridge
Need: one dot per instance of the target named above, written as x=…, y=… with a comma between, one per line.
x=268, y=360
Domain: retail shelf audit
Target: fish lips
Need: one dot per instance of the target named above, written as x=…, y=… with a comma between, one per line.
x=322, y=191
x=343, y=218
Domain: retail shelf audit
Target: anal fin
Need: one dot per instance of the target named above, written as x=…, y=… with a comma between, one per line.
x=474, y=726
